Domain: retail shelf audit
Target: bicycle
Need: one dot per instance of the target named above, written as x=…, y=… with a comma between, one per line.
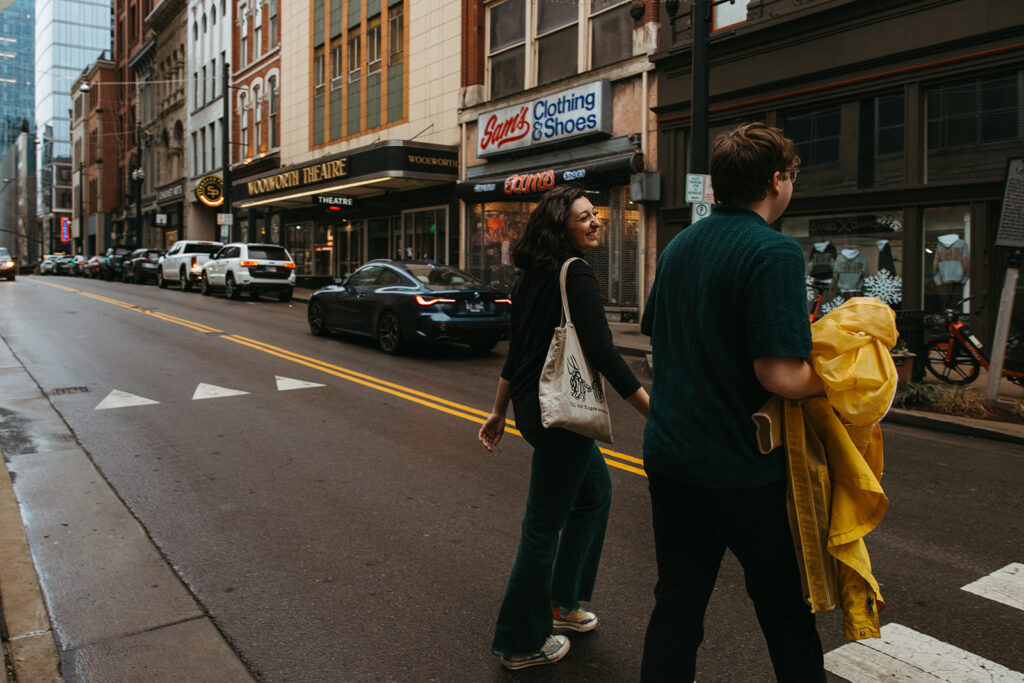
x=958, y=356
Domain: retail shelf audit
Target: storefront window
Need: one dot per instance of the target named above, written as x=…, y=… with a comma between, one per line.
x=850, y=255
x=425, y=235
x=494, y=228
x=947, y=234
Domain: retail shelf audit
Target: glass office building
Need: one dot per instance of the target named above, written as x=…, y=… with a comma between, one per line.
x=70, y=35
x=17, y=70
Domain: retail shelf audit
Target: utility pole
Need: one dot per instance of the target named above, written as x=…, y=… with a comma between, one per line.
x=700, y=17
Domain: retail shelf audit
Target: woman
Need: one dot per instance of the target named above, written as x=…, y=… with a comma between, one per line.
x=570, y=488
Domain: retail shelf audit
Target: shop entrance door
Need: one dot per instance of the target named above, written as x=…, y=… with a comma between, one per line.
x=383, y=238
x=348, y=248
x=425, y=233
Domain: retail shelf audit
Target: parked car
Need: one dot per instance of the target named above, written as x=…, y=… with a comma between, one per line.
x=8, y=264
x=400, y=303
x=77, y=266
x=113, y=262
x=249, y=267
x=141, y=265
x=63, y=265
x=48, y=266
x=183, y=263
x=92, y=266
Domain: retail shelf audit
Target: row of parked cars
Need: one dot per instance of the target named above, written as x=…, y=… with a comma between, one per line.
x=396, y=302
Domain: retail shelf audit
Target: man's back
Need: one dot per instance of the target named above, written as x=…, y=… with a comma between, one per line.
x=729, y=290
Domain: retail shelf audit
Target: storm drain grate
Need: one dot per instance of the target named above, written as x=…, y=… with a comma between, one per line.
x=69, y=390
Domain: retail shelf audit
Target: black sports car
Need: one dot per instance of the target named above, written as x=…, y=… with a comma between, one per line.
x=400, y=303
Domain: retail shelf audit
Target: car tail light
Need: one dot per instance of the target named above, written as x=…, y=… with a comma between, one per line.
x=289, y=264
x=248, y=264
x=503, y=301
x=423, y=301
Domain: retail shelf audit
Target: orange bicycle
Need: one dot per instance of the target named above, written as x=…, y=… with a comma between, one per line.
x=958, y=356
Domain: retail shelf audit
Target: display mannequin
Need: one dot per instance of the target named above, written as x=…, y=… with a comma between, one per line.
x=885, y=259
x=850, y=268
x=822, y=260
x=952, y=263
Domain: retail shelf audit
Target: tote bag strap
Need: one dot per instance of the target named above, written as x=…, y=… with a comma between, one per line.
x=561, y=285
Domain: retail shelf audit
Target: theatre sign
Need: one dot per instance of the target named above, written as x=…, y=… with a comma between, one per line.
x=580, y=111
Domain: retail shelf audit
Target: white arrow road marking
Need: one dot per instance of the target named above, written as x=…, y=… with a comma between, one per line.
x=213, y=391
x=122, y=399
x=287, y=383
x=902, y=654
x=1005, y=585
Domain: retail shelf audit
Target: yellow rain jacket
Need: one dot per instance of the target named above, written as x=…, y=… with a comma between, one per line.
x=834, y=459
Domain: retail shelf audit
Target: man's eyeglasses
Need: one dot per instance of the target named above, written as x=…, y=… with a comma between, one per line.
x=792, y=174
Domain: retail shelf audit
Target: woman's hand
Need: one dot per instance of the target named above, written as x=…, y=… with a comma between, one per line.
x=491, y=431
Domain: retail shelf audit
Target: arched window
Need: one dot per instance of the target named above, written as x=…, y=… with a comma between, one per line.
x=272, y=91
x=213, y=15
x=244, y=125
x=204, y=24
x=258, y=101
x=195, y=30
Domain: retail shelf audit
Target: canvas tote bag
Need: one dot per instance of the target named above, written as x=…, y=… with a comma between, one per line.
x=571, y=392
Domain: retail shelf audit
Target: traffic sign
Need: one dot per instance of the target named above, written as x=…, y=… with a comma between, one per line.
x=698, y=189
x=225, y=219
x=700, y=210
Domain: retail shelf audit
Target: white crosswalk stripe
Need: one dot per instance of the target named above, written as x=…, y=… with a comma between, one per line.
x=1005, y=585
x=906, y=656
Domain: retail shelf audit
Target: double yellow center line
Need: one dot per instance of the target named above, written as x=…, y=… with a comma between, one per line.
x=613, y=458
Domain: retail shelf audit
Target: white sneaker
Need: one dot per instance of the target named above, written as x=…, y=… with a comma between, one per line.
x=554, y=648
x=577, y=619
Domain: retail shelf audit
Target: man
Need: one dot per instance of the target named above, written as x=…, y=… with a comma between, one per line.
x=728, y=323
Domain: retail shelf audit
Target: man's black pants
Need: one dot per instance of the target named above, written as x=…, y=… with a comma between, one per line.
x=692, y=528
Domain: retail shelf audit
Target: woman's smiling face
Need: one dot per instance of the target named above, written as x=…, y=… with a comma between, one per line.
x=582, y=226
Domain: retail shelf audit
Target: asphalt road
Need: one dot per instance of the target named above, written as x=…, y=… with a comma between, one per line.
x=355, y=531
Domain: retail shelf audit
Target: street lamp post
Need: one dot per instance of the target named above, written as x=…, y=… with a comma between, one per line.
x=226, y=143
x=138, y=176
x=700, y=20
x=81, y=210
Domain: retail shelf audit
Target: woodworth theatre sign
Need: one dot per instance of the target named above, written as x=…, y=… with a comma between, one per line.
x=393, y=158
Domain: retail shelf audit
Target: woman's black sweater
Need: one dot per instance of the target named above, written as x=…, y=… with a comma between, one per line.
x=536, y=311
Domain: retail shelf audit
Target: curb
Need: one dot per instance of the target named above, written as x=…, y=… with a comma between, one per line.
x=951, y=425
x=29, y=648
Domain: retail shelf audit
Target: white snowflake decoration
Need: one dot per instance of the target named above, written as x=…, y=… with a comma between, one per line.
x=811, y=293
x=832, y=305
x=885, y=286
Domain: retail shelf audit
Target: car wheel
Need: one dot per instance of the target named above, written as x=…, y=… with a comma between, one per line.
x=231, y=290
x=483, y=346
x=138, y=278
x=389, y=333
x=184, y=284
x=315, y=317
x=160, y=281
x=205, y=287
x=285, y=297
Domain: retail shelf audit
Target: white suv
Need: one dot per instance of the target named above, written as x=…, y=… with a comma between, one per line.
x=254, y=268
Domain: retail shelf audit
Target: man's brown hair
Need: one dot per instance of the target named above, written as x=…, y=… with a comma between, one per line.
x=743, y=161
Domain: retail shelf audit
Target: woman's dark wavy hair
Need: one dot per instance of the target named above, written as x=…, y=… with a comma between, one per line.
x=543, y=244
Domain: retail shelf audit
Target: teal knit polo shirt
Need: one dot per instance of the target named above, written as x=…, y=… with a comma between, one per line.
x=728, y=289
